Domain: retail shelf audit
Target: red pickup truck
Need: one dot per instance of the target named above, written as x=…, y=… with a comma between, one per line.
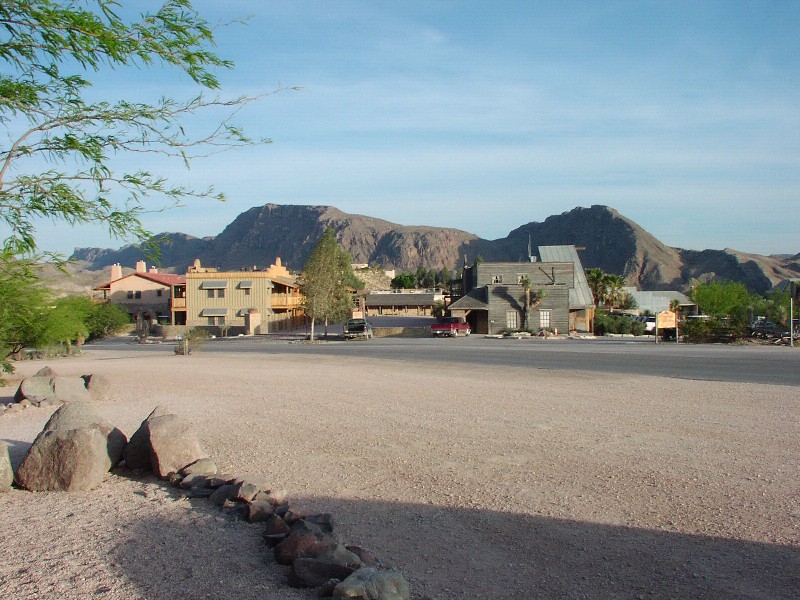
x=450, y=326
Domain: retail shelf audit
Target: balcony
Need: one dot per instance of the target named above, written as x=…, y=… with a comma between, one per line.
x=286, y=301
x=178, y=303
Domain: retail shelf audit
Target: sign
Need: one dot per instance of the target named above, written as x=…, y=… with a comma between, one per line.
x=666, y=320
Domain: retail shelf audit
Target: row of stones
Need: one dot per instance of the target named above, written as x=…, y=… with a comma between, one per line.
x=76, y=447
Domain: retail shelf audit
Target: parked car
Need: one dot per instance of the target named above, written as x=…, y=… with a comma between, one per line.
x=649, y=323
x=451, y=327
x=768, y=330
x=357, y=328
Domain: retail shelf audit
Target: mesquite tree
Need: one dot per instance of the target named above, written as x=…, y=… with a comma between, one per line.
x=59, y=139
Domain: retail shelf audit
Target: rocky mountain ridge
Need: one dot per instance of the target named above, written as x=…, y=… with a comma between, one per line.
x=607, y=240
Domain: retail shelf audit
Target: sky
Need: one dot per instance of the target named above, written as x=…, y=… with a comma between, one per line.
x=683, y=116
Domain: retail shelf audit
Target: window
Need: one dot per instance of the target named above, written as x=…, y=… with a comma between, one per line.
x=511, y=319
x=130, y=295
x=544, y=319
x=497, y=279
x=210, y=293
x=137, y=295
x=221, y=293
x=216, y=321
x=159, y=293
x=246, y=291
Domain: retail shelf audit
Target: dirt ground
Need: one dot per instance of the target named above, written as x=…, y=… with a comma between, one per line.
x=482, y=483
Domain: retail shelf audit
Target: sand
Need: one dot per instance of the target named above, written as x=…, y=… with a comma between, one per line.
x=482, y=483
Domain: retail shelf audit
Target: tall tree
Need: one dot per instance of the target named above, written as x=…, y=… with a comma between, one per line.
x=56, y=160
x=327, y=275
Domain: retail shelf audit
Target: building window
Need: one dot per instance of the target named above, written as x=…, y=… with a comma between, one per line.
x=511, y=319
x=246, y=291
x=544, y=319
x=221, y=293
x=497, y=279
x=159, y=293
x=130, y=295
x=214, y=321
x=210, y=293
x=137, y=295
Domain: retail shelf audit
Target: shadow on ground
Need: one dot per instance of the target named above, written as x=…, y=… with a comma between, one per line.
x=462, y=553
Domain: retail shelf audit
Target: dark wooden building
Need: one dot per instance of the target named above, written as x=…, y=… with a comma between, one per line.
x=493, y=296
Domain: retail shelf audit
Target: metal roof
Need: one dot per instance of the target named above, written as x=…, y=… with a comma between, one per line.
x=214, y=312
x=215, y=284
x=580, y=296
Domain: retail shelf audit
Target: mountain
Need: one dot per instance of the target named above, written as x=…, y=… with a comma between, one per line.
x=608, y=240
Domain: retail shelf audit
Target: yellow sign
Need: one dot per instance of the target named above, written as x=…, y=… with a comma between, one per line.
x=666, y=320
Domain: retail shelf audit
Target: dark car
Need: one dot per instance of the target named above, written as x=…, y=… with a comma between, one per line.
x=768, y=330
x=357, y=328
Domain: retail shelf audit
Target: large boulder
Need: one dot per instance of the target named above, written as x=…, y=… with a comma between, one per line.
x=47, y=387
x=72, y=453
x=36, y=390
x=164, y=443
x=6, y=472
x=371, y=584
x=71, y=389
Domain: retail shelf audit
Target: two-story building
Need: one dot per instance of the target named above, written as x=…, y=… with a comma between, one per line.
x=537, y=295
x=146, y=295
x=248, y=301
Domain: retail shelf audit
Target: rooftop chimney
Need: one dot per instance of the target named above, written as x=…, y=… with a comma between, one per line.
x=141, y=266
x=153, y=270
x=116, y=272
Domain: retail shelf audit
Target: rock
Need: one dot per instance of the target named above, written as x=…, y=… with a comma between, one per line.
x=274, y=525
x=204, y=466
x=259, y=511
x=222, y=494
x=45, y=372
x=97, y=385
x=366, y=557
x=71, y=389
x=6, y=471
x=323, y=520
x=165, y=443
x=65, y=460
x=371, y=584
x=275, y=497
x=305, y=540
x=246, y=491
x=199, y=492
x=81, y=414
x=313, y=572
x=73, y=451
x=220, y=480
x=35, y=389
x=326, y=589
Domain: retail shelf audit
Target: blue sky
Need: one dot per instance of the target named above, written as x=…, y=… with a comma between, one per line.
x=683, y=116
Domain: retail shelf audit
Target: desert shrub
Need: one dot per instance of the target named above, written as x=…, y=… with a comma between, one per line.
x=605, y=324
x=710, y=330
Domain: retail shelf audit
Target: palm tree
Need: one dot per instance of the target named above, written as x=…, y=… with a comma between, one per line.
x=597, y=282
x=614, y=293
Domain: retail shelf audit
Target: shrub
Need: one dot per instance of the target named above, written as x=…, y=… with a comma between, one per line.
x=605, y=324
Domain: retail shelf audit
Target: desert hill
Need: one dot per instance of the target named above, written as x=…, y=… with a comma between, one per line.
x=609, y=241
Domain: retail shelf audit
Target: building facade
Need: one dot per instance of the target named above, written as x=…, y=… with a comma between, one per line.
x=147, y=295
x=493, y=296
x=246, y=301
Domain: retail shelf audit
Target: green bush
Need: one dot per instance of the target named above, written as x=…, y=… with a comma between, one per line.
x=605, y=324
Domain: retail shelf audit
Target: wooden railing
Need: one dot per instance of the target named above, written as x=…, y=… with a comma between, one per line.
x=286, y=301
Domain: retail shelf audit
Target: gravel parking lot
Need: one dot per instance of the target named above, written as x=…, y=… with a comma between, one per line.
x=479, y=482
